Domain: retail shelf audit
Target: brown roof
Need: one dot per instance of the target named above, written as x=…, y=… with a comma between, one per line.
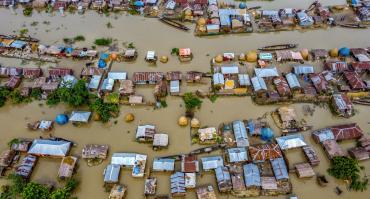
x=95, y=151
x=50, y=86
x=189, y=164
x=304, y=170
x=60, y=72
x=90, y=71
x=206, y=192
x=359, y=153
x=269, y=183
x=173, y=75
x=126, y=87
x=13, y=82
x=332, y=149
x=319, y=53
x=357, y=51
x=265, y=152
x=354, y=80
x=282, y=86
x=311, y=155
x=147, y=76
x=336, y=66
x=319, y=82
x=347, y=131
x=32, y=72
x=361, y=66
x=193, y=76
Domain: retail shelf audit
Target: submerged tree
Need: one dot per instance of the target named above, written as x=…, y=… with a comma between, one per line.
x=35, y=191
x=191, y=101
x=4, y=92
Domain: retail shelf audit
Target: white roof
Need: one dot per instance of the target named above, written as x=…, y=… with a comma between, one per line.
x=292, y=80
x=258, y=83
x=124, y=159
x=175, y=86
x=80, y=116
x=150, y=55
x=244, y=79
x=160, y=139
x=212, y=162
x=190, y=180
x=218, y=78
x=229, y=70
x=140, y=132
x=49, y=147
x=45, y=124
x=117, y=75
x=213, y=27
x=94, y=82
x=229, y=55
x=171, y=5
x=107, y=84
x=266, y=72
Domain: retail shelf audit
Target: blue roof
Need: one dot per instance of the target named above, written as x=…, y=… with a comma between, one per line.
x=163, y=164
x=61, y=119
x=222, y=174
x=240, y=133
x=280, y=169
x=18, y=44
x=252, y=175
x=344, y=52
x=267, y=134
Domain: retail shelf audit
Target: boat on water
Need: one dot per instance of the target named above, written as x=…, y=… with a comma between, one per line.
x=353, y=25
x=278, y=47
x=321, y=180
x=254, y=8
x=22, y=38
x=174, y=24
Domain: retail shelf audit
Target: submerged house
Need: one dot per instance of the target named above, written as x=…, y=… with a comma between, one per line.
x=318, y=54
x=354, y=80
x=263, y=152
x=319, y=82
x=164, y=164
x=178, y=184
x=189, y=164
x=282, y=86
x=332, y=149
x=147, y=77
x=6, y=158
x=80, y=116
x=212, y=162
x=293, y=82
x=336, y=66
x=26, y=167
x=291, y=141
x=303, y=69
x=126, y=87
x=223, y=179
x=252, y=176
x=145, y=133
x=304, y=19
x=280, y=169
x=95, y=151
x=259, y=86
x=207, y=135
x=240, y=133
x=342, y=105
x=67, y=167
x=206, y=192
x=304, y=170
x=111, y=174
x=311, y=155
x=32, y=73
x=194, y=76
x=346, y=132
x=53, y=148
x=237, y=155
x=131, y=160
x=160, y=140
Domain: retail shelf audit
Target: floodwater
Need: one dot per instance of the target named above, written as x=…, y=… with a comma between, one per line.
x=150, y=34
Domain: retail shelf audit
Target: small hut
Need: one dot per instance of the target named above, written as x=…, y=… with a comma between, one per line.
x=206, y=192
x=207, y=135
x=80, y=117
x=150, y=186
x=304, y=170
x=21, y=145
x=130, y=55
x=311, y=155
x=190, y=180
x=6, y=158
x=185, y=55
x=95, y=151
x=164, y=164
x=26, y=167
x=359, y=153
x=117, y=192
x=160, y=141
x=189, y=164
x=194, y=77
x=111, y=174
x=269, y=186
x=223, y=179
x=67, y=167
x=151, y=57
x=145, y=133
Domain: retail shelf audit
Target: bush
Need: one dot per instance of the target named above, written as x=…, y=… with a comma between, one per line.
x=17, y=98
x=35, y=191
x=53, y=98
x=77, y=95
x=79, y=38
x=27, y=11
x=175, y=51
x=4, y=92
x=36, y=93
x=103, y=41
x=191, y=101
x=113, y=98
x=105, y=110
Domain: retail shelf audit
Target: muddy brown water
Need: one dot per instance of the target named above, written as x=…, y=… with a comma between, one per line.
x=150, y=34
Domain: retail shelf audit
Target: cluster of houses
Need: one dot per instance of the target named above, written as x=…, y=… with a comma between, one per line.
x=362, y=8
x=330, y=137
x=343, y=75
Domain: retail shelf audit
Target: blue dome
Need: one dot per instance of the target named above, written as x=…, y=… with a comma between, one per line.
x=69, y=50
x=267, y=134
x=242, y=6
x=101, y=63
x=61, y=119
x=344, y=52
x=139, y=3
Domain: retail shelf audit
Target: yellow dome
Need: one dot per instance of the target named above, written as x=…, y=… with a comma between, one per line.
x=188, y=12
x=251, y=56
x=195, y=123
x=201, y=21
x=163, y=59
x=304, y=53
x=129, y=117
x=202, y=29
x=242, y=57
x=219, y=58
x=183, y=121
x=334, y=52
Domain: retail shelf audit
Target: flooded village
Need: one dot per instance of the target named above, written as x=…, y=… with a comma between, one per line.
x=166, y=113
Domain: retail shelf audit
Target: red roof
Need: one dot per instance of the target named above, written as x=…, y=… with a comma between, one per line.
x=282, y=86
x=13, y=82
x=347, y=131
x=190, y=164
x=31, y=72
x=201, y=1
x=60, y=72
x=354, y=80
x=361, y=66
x=265, y=152
x=319, y=82
x=147, y=76
x=181, y=1
x=336, y=66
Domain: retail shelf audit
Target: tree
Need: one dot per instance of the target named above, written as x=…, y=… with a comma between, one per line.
x=35, y=191
x=191, y=101
x=17, y=98
x=105, y=110
x=4, y=92
x=53, y=98
x=36, y=93
x=60, y=194
x=345, y=168
x=103, y=41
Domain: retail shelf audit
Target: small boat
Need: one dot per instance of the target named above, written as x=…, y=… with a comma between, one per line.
x=254, y=8
x=353, y=25
x=174, y=23
x=278, y=47
x=321, y=180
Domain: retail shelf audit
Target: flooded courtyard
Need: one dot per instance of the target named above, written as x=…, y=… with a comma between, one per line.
x=151, y=34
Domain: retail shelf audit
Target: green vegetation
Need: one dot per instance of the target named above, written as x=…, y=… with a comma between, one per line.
x=34, y=23
x=103, y=41
x=105, y=110
x=36, y=93
x=13, y=141
x=4, y=92
x=163, y=103
x=131, y=45
x=113, y=98
x=74, y=96
x=191, y=101
x=68, y=40
x=23, y=32
x=175, y=51
x=109, y=25
x=213, y=98
x=27, y=11
x=17, y=98
x=345, y=168
x=19, y=188
x=79, y=38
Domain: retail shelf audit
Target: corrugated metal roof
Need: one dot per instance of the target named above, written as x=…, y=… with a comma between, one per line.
x=174, y=86
x=244, y=80
x=212, y=162
x=291, y=141
x=50, y=147
x=251, y=175
x=94, y=82
x=80, y=116
x=117, y=75
x=218, y=78
x=303, y=69
x=237, y=154
x=292, y=80
x=229, y=70
x=240, y=133
x=266, y=72
x=124, y=159
x=258, y=84
x=163, y=164
x=111, y=173
x=280, y=169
